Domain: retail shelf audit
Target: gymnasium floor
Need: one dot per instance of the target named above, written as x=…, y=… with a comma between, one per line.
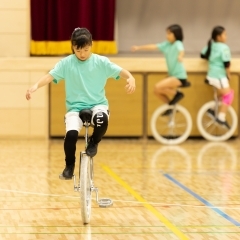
x=190, y=191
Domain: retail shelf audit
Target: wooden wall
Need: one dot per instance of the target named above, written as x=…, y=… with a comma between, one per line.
x=127, y=110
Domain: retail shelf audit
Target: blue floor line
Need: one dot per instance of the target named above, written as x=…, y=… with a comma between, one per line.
x=205, y=202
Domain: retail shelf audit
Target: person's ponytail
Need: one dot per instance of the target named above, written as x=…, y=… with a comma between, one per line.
x=207, y=54
x=217, y=31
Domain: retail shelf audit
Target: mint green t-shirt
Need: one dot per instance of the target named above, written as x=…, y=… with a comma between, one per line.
x=220, y=53
x=85, y=80
x=171, y=52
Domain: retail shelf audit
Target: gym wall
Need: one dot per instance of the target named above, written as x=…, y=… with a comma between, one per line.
x=143, y=22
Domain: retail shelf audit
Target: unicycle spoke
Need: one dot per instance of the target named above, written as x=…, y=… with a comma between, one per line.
x=208, y=124
x=163, y=119
x=180, y=125
x=163, y=130
x=212, y=129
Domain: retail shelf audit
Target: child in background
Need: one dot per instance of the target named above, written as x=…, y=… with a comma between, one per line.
x=85, y=76
x=173, y=51
x=218, y=55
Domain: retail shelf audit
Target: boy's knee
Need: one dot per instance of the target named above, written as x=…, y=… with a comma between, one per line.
x=157, y=89
x=227, y=98
x=72, y=136
x=100, y=119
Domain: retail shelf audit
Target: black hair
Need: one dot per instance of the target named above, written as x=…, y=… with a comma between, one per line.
x=81, y=38
x=177, y=31
x=217, y=31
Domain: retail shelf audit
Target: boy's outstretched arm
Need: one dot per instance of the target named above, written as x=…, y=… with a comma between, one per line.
x=40, y=83
x=130, y=87
x=148, y=47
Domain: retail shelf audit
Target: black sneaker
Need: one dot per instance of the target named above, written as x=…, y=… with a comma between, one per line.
x=91, y=150
x=211, y=113
x=176, y=98
x=167, y=112
x=67, y=173
x=223, y=124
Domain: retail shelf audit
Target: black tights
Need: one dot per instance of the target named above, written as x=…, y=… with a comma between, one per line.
x=100, y=121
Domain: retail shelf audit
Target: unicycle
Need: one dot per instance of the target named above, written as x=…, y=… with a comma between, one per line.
x=85, y=184
x=207, y=125
x=174, y=128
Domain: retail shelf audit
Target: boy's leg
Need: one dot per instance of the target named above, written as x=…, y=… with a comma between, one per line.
x=166, y=87
x=73, y=126
x=100, y=121
x=225, y=93
x=70, y=146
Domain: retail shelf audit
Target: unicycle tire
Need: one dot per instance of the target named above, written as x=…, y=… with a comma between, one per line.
x=171, y=140
x=85, y=184
x=216, y=138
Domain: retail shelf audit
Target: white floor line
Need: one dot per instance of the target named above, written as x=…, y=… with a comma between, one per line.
x=123, y=201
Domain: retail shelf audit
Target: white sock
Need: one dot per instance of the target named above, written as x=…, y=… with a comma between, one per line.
x=222, y=116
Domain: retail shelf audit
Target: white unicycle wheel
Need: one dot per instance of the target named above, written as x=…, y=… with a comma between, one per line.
x=210, y=129
x=86, y=193
x=172, y=129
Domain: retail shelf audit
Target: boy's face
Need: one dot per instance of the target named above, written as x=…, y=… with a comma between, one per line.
x=82, y=53
x=170, y=36
x=222, y=37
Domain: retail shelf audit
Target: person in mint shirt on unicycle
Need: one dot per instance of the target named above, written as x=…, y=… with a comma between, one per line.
x=218, y=55
x=173, y=51
x=85, y=75
x=170, y=123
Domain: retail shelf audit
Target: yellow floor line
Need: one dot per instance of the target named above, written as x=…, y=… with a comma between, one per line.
x=164, y=220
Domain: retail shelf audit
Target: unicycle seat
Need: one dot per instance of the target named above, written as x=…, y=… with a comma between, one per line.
x=207, y=81
x=85, y=115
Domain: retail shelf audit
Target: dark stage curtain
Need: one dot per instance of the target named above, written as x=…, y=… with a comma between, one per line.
x=52, y=22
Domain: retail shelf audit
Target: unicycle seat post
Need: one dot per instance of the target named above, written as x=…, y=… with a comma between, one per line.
x=86, y=134
x=86, y=117
x=215, y=94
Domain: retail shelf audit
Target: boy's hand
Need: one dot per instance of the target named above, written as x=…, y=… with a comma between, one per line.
x=134, y=48
x=180, y=58
x=30, y=91
x=130, y=87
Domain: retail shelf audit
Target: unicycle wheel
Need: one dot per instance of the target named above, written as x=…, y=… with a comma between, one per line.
x=174, y=128
x=210, y=129
x=85, y=186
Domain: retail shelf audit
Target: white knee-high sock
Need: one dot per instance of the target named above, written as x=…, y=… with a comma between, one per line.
x=222, y=116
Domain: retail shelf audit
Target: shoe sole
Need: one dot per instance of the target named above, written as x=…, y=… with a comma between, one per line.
x=64, y=178
x=223, y=126
x=92, y=155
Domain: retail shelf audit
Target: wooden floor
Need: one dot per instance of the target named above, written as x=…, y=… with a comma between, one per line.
x=191, y=191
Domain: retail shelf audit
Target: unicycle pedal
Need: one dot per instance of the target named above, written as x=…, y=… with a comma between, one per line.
x=105, y=202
